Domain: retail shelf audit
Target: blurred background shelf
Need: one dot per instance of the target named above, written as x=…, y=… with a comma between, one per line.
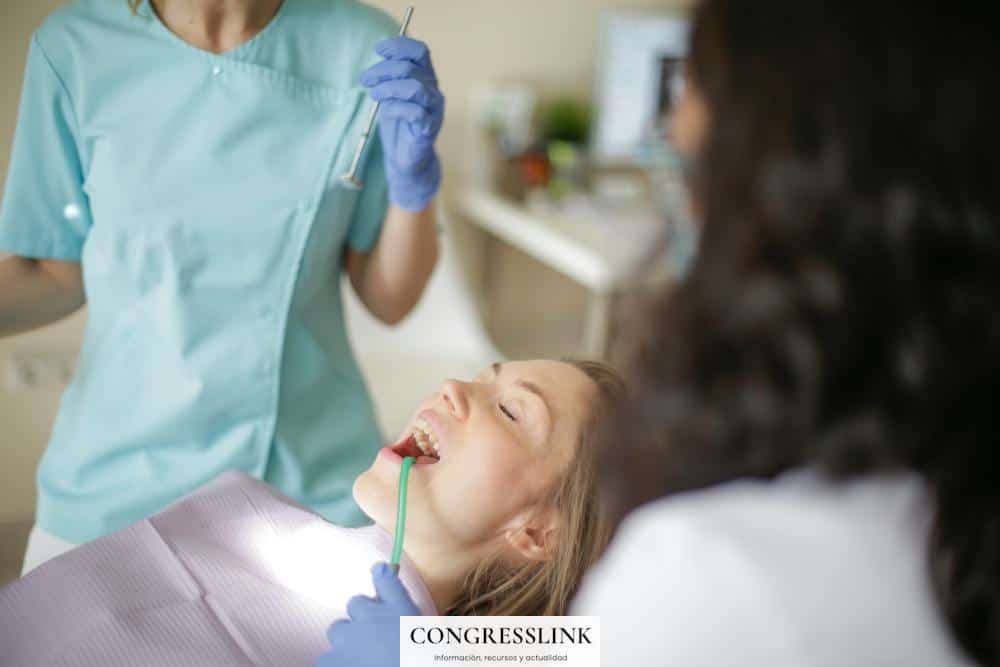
x=596, y=250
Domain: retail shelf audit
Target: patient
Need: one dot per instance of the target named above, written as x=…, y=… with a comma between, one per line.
x=501, y=520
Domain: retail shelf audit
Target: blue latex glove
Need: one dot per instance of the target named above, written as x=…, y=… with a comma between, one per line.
x=409, y=120
x=371, y=637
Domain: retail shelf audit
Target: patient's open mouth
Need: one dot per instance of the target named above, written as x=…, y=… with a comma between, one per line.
x=418, y=446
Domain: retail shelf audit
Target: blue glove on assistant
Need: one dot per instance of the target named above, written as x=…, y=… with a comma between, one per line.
x=371, y=637
x=410, y=119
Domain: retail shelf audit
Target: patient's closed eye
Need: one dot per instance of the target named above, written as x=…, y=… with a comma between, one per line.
x=507, y=412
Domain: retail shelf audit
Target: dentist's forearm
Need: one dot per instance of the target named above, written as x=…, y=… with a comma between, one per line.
x=401, y=263
x=34, y=293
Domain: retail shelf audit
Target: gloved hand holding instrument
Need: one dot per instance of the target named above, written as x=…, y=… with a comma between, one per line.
x=410, y=111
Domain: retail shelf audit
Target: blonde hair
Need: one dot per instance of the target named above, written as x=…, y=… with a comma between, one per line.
x=498, y=588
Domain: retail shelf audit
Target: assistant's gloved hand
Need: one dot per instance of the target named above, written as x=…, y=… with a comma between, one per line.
x=371, y=637
x=409, y=120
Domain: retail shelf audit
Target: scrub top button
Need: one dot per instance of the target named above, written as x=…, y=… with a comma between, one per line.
x=216, y=70
x=71, y=212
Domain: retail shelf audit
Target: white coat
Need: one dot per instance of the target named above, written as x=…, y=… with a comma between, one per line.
x=796, y=572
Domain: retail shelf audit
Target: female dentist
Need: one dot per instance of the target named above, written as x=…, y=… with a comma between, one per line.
x=176, y=167
x=809, y=462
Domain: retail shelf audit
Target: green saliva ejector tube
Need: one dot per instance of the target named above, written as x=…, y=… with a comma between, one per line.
x=397, y=545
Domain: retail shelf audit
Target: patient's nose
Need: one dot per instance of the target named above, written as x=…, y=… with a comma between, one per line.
x=455, y=397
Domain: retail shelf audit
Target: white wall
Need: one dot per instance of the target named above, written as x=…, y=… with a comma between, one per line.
x=546, y=42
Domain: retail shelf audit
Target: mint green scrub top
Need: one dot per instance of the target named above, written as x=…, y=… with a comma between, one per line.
x=200, y=194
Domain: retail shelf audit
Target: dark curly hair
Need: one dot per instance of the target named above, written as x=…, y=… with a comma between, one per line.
x=844, y=309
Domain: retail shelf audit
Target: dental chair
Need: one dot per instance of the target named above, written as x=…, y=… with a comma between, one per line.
x=442, y=338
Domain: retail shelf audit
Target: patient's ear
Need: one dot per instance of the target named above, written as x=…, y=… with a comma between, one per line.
x=537, y=538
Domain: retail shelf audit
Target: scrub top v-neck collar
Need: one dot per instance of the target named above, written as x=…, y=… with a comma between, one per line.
x=237, y=52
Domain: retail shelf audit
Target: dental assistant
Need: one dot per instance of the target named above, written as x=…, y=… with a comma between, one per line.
x=176, y=167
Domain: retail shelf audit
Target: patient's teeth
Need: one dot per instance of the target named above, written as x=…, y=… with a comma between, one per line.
x=425, y=437
x=424, y=444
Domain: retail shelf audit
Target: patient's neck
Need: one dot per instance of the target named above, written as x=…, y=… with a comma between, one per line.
x=443, y=570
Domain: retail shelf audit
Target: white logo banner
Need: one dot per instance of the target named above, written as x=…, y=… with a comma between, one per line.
x=437, y=641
